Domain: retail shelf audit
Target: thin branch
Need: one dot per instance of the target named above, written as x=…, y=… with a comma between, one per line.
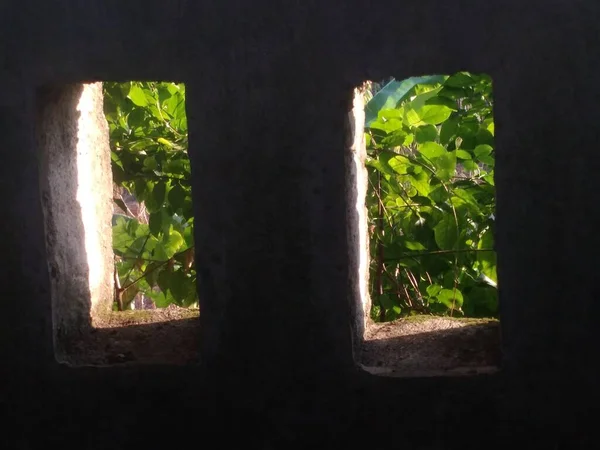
x=141, y=252
x=440, y=252
x=162, y=263
x=380, y=252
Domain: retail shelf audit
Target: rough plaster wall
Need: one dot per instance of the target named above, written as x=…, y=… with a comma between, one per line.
x=283, y=238
x=95, y=194
x=235, y=58
x=358, y=238
x=76, y=193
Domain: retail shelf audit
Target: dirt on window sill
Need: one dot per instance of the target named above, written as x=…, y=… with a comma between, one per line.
x=432, y=346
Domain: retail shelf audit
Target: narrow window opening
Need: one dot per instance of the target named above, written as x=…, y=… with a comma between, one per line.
x=425, y=268
x=119, y=224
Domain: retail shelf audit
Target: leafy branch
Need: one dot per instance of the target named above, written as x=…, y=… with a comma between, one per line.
x=430, y=160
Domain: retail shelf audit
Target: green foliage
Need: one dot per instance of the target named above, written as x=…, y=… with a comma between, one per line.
x=148, y=136
x=431, y=197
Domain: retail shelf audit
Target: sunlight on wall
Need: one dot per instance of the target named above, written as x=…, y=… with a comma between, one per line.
x=89, y=134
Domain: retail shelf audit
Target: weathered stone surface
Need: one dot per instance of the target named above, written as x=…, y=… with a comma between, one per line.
x=356, y=217
x=76, y=188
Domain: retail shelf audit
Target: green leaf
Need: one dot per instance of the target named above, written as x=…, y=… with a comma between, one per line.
x=452, y=298
x=122, y=239
x=490, y=178
x=490, y=126
x=182, y=287
x=482, y=301
x=468, y=128
x=449, y=129
x=389, y=114
x=399, y=164
x=416, y=112
x=177, y=166
x=453, y=93
x=173, y=88
x=462, y=154
x=485, y=137
x=386, y=301
x=137, y=95
x=164, y=279
x=445, y=166
x=397, y=138
x=426, y=133
x=446, y=233
x=434, y=114
x=483, y=154
x=139, y=229
x=188, y=236
x=151, y=274
x=129, y=294
x=380, y=166
x=137, y=247
x=161, y=300
x=431, y=150
x=394, y=93
x=155, y=201
x=438, y=194
x=420, y=181
x=414, y=245
x=387, y=125
x=159, y=192
x=188, y=208
x=468, y=199
x=171, y=243
x=469, y=165
x=487, y=260
x=150, y=163
x=444, y=101
x=459, y=80
x=163, y=92
x=165, y=142
x=155, y=222
x=141, y=187
x=433, y=290
x=153, y=109
x=482, y=150
x=177, y=196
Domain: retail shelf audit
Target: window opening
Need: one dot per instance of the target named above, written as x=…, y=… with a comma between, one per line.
x=153, y=217
x=116, y=197
x=432, y=283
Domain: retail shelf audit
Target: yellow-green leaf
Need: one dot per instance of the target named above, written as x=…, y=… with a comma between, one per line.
x=137, y=96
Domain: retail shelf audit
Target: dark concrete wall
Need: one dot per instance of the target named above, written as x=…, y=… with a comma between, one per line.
x=269, y=87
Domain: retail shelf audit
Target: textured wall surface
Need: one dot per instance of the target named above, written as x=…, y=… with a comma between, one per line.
x=76, y=192
x=269, y=88
x=356, y=214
